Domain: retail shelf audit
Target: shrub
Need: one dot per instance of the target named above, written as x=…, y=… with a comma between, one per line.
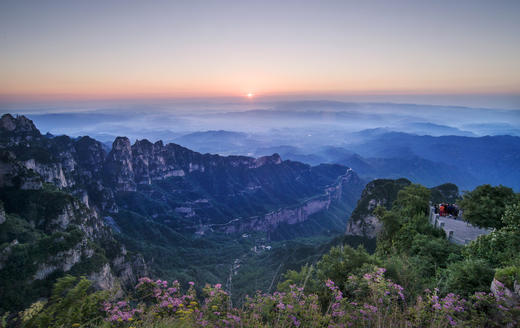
x=468, y=277
x=508, y=276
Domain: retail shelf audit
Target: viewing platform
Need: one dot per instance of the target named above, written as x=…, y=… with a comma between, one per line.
x=457, y=230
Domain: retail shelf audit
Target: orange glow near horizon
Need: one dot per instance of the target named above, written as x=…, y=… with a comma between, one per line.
x=85, y=50
x=101, y=87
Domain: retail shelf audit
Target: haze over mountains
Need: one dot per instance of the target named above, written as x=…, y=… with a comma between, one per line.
x=424, y=143
x=168, y=119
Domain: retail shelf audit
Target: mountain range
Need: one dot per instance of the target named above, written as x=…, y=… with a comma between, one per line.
x=382, y=153
x=115, y=214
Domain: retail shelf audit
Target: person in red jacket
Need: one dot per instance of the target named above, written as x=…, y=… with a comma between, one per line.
x=442, y=209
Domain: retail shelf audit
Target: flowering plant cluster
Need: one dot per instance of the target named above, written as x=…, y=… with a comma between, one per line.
x=370, y=300
x=441, y=311
x=120, y=312
x=283, y=309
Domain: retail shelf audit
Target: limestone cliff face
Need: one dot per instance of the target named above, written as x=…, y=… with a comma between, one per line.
x=380, y=192
x=52, y=189
x=119, y=171
x=272, y=220
x=74, y=165
x=74, y=229
x=51, y=173
x=296, y=214
x=142, y=163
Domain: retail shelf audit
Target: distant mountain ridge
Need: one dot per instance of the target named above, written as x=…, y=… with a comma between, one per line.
x=491, y=159
x=465, y=160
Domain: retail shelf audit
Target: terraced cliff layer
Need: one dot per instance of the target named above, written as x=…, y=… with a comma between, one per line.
x=297, y=214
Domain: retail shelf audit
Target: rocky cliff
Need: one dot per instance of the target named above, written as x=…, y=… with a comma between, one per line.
x=47, y=227
x=296, y=214
x=47, y=233
x=380, y=192
x=171, y=175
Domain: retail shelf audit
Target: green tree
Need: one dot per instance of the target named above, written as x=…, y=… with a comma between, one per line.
x=485, y=205
x=501, y=247
x=407, y=218
x=467, y=277
x=511, y=217
x=343, y=261
x=73, y=302
x=337, y=265
x=413, y=200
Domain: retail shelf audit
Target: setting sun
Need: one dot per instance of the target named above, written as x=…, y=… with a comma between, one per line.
x=250, y=95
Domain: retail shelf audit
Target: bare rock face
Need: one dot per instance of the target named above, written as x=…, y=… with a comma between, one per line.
x=274, y=159
x=272, y=220
x=370, y=226
x=103, y=279
x=63, y=261
x=129, y=269
x=118, y=166
x=19, y=124
x=51, y=173
x=381, y=192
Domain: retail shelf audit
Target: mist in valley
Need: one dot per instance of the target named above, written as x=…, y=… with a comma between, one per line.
x=428, y=144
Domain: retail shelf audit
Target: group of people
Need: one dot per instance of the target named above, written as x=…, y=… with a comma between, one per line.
x=447, y=209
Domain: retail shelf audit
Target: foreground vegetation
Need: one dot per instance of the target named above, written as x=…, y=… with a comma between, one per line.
x=415, y=278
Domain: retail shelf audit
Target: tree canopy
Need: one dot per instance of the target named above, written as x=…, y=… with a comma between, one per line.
x=485, y=206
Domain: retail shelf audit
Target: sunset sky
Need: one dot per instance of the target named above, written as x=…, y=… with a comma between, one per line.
x=96, y=49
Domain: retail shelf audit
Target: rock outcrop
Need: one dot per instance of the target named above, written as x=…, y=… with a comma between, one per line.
x=511, y=297
x=380, y=192
x=445, y=193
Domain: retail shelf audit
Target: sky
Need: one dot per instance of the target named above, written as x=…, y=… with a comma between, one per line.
x=69, y=50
